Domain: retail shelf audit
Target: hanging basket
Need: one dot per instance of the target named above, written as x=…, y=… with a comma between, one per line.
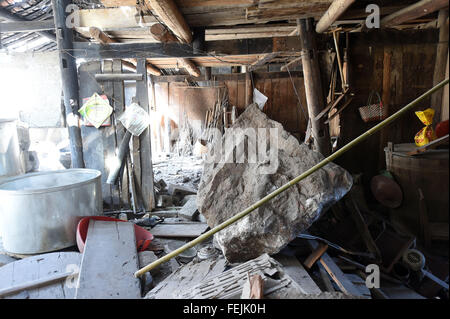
x=373, y=112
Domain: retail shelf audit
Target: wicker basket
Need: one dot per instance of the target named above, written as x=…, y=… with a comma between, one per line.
x=373, y=112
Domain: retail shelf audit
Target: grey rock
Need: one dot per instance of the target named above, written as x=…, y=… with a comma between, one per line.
x=146, y=257
x=189, y=210
x=228, y=188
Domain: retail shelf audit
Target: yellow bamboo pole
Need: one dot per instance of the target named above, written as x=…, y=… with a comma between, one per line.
x=302, y=176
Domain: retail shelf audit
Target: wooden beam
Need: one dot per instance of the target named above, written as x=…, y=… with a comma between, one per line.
x=412, y=12
x=177, y=50
x=162, y=34
x=336, y=9
x=103, y=39
x=100, y=36
x=190, y=67
x=27, y=26
x=4, y=14
x=171, y=16
x=263, y=60
x=229, y=77
x=292, y=64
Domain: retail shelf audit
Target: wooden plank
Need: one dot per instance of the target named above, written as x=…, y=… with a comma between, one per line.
x=187, y=230
x=109, y=262
x=39, y=267
x=315, y=255
x=93, y=153
x=433, y=144
x=109, y=138
x=345, y=285
x=296, y=271
x=148, y=195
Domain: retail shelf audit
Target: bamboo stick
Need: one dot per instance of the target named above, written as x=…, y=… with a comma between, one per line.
x=296, y=180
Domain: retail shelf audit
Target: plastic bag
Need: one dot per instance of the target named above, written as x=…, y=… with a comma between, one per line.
x=425, y=135
x=135, y=119
x=96, y=110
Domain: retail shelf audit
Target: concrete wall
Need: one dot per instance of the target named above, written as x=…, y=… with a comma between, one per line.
x=30, y=88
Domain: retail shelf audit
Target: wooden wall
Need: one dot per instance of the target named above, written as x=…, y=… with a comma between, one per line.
x=282, y=104
x=411, y=74
x=173, y=99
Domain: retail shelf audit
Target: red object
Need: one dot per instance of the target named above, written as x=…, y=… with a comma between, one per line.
x=143, y=237
x=442, y=129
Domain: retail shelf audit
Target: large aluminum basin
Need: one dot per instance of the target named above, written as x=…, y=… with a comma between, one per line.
x=39, y=212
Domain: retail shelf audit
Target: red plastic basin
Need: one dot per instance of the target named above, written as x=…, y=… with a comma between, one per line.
x=143, y=237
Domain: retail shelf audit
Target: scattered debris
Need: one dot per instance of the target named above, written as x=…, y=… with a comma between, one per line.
x=189, y=210
x=179, y=230
x=227, y=188
x=185, y=277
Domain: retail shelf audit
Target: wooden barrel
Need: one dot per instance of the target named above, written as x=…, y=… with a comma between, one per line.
x=427, y=171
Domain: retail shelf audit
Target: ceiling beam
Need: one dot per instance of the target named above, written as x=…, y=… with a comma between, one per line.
x=292, y=64
x=4, y=14
x=160, y=33
x=262, y=61
x=336, y=9
x=417, y=10
x=220, y=49
x=104, y=39
x=28, y=26
x=172, y=17
x=189, y=66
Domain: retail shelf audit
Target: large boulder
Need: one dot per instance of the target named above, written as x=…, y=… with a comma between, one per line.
x=228, y=186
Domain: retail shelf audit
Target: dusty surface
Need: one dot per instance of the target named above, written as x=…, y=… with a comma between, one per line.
x=180, y=170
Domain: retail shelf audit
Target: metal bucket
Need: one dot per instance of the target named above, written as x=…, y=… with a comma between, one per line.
x=10, y=162
x=39, y=212
x=427, y=171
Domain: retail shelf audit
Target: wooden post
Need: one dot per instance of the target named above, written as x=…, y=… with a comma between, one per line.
x=441, y=61
x=313, y=86
x=69, y=77
x=248, y=89
x=148, y=195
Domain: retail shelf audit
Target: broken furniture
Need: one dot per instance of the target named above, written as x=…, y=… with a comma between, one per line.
x=40, y=211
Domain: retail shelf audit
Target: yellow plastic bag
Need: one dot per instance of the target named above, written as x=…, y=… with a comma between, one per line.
x=425, y=135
